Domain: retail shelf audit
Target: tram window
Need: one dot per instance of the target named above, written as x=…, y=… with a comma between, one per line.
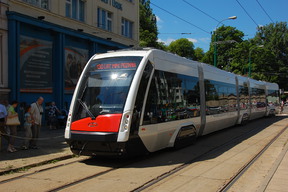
x=191, y=95
x=273, y=98
x=150, y=114
x=141, y=95
x=243, y=96
x=212, y=98
x=143, y=86
x=220, y=97
x=258, y=98
x=172, y=97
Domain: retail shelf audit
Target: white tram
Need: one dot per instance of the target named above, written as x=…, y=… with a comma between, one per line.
x=145, y=100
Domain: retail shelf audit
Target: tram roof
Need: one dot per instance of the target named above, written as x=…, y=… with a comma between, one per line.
x=210, y=70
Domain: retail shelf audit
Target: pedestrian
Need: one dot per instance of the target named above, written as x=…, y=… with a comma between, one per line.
x=3, y=116
x=52, y=115
x=36, y=112
x=282, y=106
x=27, y=127
x=12, y=115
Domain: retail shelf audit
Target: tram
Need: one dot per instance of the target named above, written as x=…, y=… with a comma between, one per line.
x=134, y=101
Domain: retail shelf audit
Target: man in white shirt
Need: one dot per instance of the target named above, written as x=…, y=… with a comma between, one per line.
x=37, y=112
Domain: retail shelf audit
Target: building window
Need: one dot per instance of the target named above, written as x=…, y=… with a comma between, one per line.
x=104, y=19
x=75, y=9
x=127, y=28
x=44, y=4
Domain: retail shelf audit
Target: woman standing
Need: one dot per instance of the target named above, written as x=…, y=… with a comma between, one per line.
x=13, y=128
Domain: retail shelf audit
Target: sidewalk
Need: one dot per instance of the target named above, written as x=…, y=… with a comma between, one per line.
x=278, y=181
x=51, y=145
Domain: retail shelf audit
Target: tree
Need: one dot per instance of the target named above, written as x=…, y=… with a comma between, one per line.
x=268, y=52
x=226, y=39
x=148, y=26
x=273, y=61
x=182, y=47
x=199, y=54
x=239, y=64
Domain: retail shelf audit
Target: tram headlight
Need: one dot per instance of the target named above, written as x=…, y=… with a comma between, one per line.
x=126, y=121
x=114, y=76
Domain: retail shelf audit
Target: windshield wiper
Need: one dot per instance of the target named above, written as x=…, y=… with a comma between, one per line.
x=86, y=109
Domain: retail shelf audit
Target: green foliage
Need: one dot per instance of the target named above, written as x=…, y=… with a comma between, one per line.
x=182, y=47
x=268, y=63
x=148, y=26
x=268, y=52
x=226, y=39
x=198, y=54
x=272, y=63
x=239, y=64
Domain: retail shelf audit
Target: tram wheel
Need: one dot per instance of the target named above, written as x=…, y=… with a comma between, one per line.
x=186, y=136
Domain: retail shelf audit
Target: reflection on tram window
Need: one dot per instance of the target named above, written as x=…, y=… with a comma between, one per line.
x=220, y=97
x=273, y=98
x=258, y=98
x=244, y=96
x=172, y=97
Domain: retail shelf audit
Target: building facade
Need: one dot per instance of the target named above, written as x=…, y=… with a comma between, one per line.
x=4, y=90
x=46, y=43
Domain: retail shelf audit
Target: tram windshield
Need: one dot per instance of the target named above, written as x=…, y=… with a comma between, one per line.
x=104, y=86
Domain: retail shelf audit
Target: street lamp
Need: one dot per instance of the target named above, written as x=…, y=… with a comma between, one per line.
x=259, y=46
x=215, y=38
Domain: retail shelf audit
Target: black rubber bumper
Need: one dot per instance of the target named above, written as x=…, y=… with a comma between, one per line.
x=94, y=136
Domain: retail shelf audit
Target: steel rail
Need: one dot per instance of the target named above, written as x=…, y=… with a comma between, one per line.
x=236, y=177
x=184, y=165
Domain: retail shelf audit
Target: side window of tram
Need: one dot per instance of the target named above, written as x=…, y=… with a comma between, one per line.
x=243, y=96
x=273, y=98
x=258, y=98
x=220, y=97
x=150, y=114
x=171, y=97
x=141, y=96
x=143, y=86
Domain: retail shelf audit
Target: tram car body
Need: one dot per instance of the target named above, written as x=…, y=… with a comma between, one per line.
x=146, y=100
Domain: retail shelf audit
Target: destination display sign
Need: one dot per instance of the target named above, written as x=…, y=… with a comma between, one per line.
x=112, y=66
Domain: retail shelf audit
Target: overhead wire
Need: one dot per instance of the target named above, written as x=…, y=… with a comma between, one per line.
x=179, y=33
x=180, y=18
x=247, y=13
x=264, y=11
x=201, y=11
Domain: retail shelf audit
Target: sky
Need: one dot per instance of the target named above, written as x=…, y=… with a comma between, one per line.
x=196, y=19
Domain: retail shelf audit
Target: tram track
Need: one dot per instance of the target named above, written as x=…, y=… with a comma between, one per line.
x=100, y=169
x=236, y=177
x=83, y=179
x=227, y=184
x=39, y=165
x=84, y=161
x=172, y=171
x=161, y=177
